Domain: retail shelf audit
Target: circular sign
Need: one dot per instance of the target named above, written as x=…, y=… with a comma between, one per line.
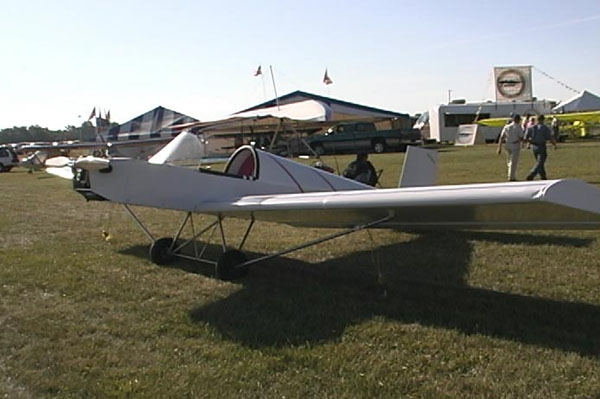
x=511, y=83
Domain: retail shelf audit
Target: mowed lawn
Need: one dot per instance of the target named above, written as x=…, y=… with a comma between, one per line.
x=384, y=314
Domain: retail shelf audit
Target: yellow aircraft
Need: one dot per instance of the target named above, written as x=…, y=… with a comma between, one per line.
x=579, y=120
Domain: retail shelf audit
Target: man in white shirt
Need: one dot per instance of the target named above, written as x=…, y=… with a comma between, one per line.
x=512, y=136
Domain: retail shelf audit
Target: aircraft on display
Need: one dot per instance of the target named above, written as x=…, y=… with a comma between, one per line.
x=259, y=186
x=590, y=117
x=134, y=148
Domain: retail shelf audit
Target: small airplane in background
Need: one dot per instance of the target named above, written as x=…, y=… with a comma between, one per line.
x=590, y=118
x=259, y=186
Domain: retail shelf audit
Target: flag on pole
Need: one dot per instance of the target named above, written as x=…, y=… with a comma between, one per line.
x=108, y=115
x=326, y=79
x=258, y=71
x=92, y=115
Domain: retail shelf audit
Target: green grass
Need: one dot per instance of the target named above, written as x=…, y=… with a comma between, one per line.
x=470, y=314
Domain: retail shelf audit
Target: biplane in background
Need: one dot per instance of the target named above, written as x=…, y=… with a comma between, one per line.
x=260, y=186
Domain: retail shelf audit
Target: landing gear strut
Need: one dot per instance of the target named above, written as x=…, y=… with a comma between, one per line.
x=232, y=263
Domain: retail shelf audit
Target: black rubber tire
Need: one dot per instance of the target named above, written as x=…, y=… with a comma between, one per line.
x=319, y=149
x=159, y=251
x=228, y=268
x=1, y=168
x=379, y=146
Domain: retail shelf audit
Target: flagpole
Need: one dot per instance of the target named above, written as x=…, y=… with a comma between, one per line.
x=96, y=127
x=274, y=87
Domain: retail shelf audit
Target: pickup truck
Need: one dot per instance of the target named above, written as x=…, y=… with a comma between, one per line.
x=362, y=136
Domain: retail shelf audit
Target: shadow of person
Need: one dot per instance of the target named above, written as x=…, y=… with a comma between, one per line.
x=290, y=302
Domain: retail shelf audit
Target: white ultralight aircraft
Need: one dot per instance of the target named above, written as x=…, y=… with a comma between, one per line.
x=260, y=186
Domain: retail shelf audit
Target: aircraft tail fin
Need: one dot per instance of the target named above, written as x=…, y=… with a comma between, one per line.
x=420, y=168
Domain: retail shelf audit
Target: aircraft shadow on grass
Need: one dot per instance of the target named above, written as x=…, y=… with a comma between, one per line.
x=290, y=302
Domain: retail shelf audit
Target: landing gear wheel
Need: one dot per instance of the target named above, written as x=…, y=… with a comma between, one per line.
x=160, y=251
x=228, y=265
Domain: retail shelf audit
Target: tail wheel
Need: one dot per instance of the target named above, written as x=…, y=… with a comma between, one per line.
x=379, y=146
x=160, y=251
x=229, y=265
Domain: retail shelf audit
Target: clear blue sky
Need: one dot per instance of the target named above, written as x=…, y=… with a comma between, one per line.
x=61, y=58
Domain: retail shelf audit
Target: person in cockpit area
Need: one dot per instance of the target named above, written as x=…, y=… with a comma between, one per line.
x=361, y=170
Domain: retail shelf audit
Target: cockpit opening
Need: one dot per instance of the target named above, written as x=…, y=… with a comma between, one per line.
x=243, y=163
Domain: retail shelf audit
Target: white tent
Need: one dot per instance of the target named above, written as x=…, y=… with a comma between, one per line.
x=584, y=101
x=308, y=110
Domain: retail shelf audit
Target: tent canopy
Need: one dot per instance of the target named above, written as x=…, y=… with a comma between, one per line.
x=584, y=101
x=155, y=123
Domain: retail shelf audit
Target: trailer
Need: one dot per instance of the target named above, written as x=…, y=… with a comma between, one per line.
x=440, y=124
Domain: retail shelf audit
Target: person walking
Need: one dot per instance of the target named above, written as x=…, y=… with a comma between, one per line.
x=555, y=128
x=537, y=136
x=512, y=136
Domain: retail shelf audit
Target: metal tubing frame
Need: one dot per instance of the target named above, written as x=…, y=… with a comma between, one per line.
x=223, y=242
x=196, y=235
x=246, y=234
x=317, y=241
x=173, y=249
x=139, y=223
x=219, y=224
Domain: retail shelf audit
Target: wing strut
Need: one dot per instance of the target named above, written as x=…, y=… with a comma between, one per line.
x=317, y=241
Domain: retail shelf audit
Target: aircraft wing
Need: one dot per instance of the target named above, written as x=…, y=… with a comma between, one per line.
x=558, y=204
x=592, y=117
x=66, y=147
x=309, y=115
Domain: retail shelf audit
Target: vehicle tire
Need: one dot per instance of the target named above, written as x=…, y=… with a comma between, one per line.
x=379, y=146
x=319, y=149
x=160, y=251
x=1, y=168
x=228, y=268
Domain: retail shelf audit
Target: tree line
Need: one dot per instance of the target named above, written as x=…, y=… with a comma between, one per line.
x=85, y=132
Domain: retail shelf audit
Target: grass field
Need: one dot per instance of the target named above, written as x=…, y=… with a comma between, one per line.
x=469, y=314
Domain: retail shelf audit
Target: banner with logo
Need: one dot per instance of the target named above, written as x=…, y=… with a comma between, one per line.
x=513, y=83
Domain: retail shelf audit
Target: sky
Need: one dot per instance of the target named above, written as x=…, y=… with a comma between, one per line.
x=62, y=58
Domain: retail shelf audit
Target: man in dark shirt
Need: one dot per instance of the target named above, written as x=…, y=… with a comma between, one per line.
x=537, y=135
x=361, y=170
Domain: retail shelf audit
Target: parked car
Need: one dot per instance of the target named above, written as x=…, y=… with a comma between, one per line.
x=8, y=159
